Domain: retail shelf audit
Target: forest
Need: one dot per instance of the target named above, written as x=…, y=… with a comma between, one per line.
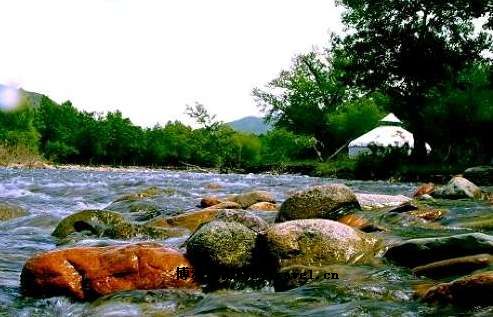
x=433, y=71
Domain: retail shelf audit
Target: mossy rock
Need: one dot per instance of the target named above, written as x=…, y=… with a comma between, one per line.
x=135, y=210
x=149, y=192
x=323, y=202
x=246, y=218
x=9, y=211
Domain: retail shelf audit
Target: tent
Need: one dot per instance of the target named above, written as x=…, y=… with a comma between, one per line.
x=389, y=133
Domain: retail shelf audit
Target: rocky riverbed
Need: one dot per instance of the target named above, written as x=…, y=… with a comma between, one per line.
x=108, y=243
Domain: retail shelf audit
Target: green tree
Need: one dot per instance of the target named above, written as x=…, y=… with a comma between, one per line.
x=407, y=48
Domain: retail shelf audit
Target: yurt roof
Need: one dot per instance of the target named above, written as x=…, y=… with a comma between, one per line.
x=385, y=136
x=391, y=118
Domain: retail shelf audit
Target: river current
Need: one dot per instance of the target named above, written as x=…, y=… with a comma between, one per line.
x=50, y=195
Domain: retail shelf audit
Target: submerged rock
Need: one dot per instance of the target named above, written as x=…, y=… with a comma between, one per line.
x=86, y=273
x=247, y=199
x=10, y=211
x=325, y=202
x=481, y=175
x=189, y=220
x=221, y=246
x=456, y=266
x=458, y=187
x=149, y=192
x=315, y=242
x=469, y=290
x=416, y=252
x=264, y=206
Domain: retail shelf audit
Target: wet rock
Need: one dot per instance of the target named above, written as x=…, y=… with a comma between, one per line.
x=103, y=223
x=213, y=186
x=428, y=214
x=358, y=222
x=9, y=211
x=315, y=242
x=226, y=205
x=209, y=201
x=247, y=199
x=457, y=188
x=189, y=220
x=246, y=218
x=372, y=201
x=470, y=290
x=89, y=272
x=481, y=175
x=417, y=252
x=149, y=192
x=221, y=246
x=325, y=202
x=135, y=210
x=264, y=206
x=455, y=266
x=424, y=189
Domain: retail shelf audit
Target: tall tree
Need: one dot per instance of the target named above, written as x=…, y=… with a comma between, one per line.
x=407, y=48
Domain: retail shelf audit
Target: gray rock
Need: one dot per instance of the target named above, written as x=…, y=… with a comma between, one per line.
x=246, y=218
x=325, y=202
x=457, y=188
x=417, y=252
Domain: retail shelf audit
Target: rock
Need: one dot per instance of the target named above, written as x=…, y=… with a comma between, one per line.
x=226, y=205
x=103, y=223
x=135, y=210
x=89, y=272
x=97, y=222
x=481, y=175
x=358, y=222
x=313, y=242
x=326, y=202
x=247, y=199
x=246, y=218
x=9, y=211
x=149, y=192
x=469, y=290
x=458, y=187
x=428, y=214
x=416, y=252
x=209, y=201
x=424, y=189
x=371, y=201
x=263, y=206
x=221, y=246
x=189, y=220
x=213, y=186
x=455, y=266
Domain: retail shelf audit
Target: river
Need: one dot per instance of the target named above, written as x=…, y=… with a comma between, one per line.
x=50, y=195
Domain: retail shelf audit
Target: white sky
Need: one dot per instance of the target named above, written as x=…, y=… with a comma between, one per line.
x=149, y=58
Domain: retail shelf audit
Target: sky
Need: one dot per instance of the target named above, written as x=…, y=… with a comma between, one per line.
x=149, y=58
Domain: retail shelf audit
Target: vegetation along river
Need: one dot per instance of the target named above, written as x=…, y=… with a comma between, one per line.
x=376, y=288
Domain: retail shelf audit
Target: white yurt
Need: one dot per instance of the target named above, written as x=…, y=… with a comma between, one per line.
x=389, y=133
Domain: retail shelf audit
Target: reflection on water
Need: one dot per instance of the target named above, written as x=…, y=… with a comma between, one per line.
x=50, y=195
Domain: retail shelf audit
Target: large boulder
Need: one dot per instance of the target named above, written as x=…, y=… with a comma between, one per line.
x=417, y=252
x=481, y=175
x=312, y=242
x=89, y=272
x=10, y=211
x=325, y=202
x=221, y=246
x=470, y=290
x=457, y=188
x=247, y=199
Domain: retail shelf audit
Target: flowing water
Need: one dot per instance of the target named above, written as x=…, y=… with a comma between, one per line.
x=50, y=195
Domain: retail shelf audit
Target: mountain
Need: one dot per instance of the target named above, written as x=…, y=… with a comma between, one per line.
x=9, y=95
x=250, y=124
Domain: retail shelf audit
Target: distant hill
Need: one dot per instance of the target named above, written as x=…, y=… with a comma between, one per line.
x=33, y=98
x=250, y=124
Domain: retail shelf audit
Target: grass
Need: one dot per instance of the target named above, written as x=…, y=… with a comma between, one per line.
x=19, y=155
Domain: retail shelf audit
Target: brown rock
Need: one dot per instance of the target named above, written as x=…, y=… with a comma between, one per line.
x=428, y=214
x=89, y=272
x=469, y=290
x=209, y=201
x=424, y=189
x=10, y=211
x=264, y=206
x=455, y=266
x=225, y=205
x=250, y=198
x=190, y=220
